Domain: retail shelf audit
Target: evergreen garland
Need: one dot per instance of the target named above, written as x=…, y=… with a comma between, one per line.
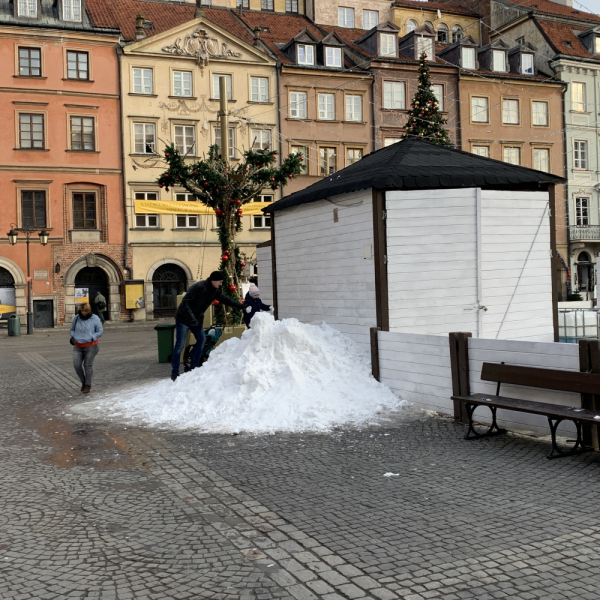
x=226, y=188
x=424, y=117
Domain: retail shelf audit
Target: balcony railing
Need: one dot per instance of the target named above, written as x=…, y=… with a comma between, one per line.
x=584, y=232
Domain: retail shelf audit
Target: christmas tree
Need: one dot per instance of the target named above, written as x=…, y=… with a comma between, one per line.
x=424, y=117
x=226, y=188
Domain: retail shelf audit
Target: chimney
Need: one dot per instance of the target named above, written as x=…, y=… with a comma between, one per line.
x=256, y=41
x=140, y=33
x=200, y=12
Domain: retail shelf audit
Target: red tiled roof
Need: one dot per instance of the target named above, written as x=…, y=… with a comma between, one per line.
x=553, y=8
x=564, y=40
x=434, y=6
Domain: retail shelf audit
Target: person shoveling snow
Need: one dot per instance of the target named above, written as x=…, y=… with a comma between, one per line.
x=280, y=376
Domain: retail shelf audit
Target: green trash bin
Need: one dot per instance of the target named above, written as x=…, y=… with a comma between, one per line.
x=14, y=325
x=165, y=341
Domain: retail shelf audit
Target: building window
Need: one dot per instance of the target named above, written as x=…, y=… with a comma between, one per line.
x=242, y=3
x=186, y=221
x=333, y=57
x=442, y=33
x=527, y=64
x=266, y=5
x=291, y=6
x=346, y=17
x=71, y=10
x=31, y=131
x=231, y=140
x=582, y=211
x=425, y=46
x=84, y=210
x=327, y=158
x=185, y=139
x=182, y=83
x=260, y=89
x=387, y=42
x=303, y=151
x=580, y=155
x=468, y=58
x=597, y=44
x=217, y=89
x=83, y=134
x=479, y=110
x=298, y=105
x=539, y=111
x=33, y=208
x=390, y=141
x=261, y=139
x=578, y=96
x=145, y=220
x=457, y=33
x=327, y=107
x=481, y=151
x=541, y=159
x=512, y=155
x=306, y=54
x=78, y=65
x=411, y=25
x=394, y=96
x=354, y=108
x=27, y=8
x=499, y=61
x=144, y=138
x=142, y=81
x=510, y=111
x=262, y=221
x=438, y=92
x=370, y=19
x=30, y=62
x=353, y=155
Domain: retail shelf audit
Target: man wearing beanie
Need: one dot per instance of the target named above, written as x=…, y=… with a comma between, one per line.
x=190, y=315
x=254, y=304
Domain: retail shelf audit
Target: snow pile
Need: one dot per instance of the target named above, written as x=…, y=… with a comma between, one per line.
x=280, y=376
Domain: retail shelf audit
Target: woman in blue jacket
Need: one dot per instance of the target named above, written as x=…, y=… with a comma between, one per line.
x=253, y=304
x=86, y=328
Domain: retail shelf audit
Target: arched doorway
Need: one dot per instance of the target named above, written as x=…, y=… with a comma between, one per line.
x=167, y=282
x=585, y=273
x=95, y=280
x=7, y=294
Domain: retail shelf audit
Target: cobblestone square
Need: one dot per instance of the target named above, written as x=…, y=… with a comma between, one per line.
x=104, y=510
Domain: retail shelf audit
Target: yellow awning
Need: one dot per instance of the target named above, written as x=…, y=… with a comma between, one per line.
x=174, y=207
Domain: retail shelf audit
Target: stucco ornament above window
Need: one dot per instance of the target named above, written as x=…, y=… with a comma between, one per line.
x=202, y=47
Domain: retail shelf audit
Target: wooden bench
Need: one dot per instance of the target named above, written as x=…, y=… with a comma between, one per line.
x=550, y=379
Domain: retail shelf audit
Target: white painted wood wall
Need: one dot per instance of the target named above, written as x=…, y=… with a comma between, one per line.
x=265, y=275
x=322, y=274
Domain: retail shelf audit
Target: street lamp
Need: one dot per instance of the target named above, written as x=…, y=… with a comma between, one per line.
x=12, y=238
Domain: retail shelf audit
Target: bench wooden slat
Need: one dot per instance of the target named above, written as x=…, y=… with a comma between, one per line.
x=529, y=406
x=550, y=379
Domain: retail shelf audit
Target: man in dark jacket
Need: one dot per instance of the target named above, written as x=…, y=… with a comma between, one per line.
x=190, y=315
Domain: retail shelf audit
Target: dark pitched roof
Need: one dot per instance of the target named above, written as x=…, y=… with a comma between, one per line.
x=417, y=164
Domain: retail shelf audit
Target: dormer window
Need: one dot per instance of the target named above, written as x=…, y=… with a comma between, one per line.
x=499, y=61
x=27, y=8
x=467, y=56
x=424, y=45
x=72, y=10
x=306, y=54
x=333, y=57
x=597, y=44
x=527, y=64
x=387, y=42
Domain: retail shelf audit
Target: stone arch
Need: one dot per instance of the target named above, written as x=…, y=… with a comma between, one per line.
x=149, y=288
x=20, y=282
x=114, y=280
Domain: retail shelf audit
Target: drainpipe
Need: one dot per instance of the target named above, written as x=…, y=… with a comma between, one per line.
x=277, y=78
x=459, y=118
x=125, y=211
x=375, y=73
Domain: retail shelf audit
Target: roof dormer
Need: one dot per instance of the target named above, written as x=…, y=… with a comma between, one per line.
x=27, y=9
x=418, y=42
x=330, y=52
x=494, y=57
x=462, y=53
x=382, y=40
x=521, y=59
x=71, y=10
x=591, y=40
x=302, y=49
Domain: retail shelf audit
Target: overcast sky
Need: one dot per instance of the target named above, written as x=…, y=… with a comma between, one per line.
x=592, y=6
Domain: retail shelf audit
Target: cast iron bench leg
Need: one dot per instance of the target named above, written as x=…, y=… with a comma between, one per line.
x=578, y=448
x=493, y=429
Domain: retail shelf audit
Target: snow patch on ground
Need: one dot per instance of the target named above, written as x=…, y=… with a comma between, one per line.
x=280, y=376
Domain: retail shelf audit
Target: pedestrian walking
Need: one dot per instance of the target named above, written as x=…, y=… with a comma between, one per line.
x=86, y=328
x=254, y=304
x=100, y=304
x=190, y=316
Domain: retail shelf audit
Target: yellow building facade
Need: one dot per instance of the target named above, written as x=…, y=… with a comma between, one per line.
x=170, y=85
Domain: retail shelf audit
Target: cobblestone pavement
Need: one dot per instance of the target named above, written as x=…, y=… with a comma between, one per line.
x=103, y=510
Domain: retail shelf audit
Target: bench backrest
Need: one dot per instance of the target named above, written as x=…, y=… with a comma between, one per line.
x=550, y=379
